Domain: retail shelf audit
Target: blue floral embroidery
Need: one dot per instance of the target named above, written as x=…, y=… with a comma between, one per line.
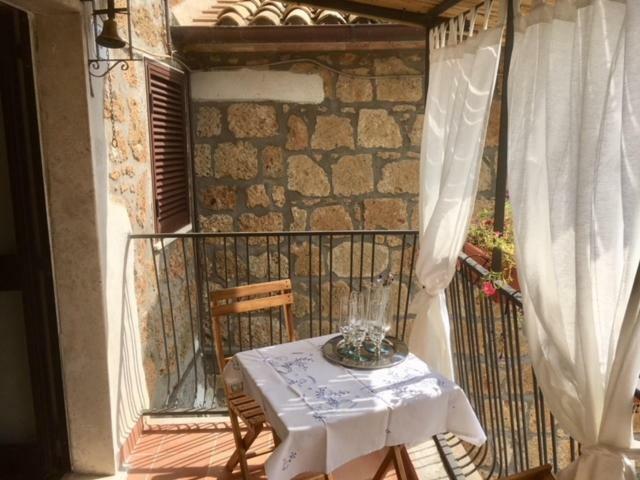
x=287, y=460
x=333, y=398
x=285, y=365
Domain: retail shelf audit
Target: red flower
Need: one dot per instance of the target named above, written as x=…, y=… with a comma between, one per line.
x=489, y=289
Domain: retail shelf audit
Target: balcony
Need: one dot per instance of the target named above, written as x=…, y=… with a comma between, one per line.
x=186, y=398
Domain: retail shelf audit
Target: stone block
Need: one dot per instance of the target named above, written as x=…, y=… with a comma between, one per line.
x=257, y=196
x=378, y=129
x=346, y=260
x=415, y=135
x=297, y=134
x=216, y=223
x=392, y=66
x=278, y=196
x=332, y=132
x=219, y=198
x=299, y=223
x=400, y=177
x=278, y=265
x=302, y=251
x=208, y=122
x=307, y=177
x=202, y=160
x=334, y=217
x=399, y=89
x=352, y=175
x=332, y=294
x=272, y=159
x=236, y=160
x=250, y=120
x=385, y=213
x=354, y=89
x=271, y=222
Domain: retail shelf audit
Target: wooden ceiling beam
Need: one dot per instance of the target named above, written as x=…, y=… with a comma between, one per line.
x=442, y=7
x=374, y=11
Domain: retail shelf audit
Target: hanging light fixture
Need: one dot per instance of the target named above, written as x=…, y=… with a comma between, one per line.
x=109, y=37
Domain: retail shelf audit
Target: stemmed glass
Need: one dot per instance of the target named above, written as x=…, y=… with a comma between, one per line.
x=345, y=324
x=358, y=305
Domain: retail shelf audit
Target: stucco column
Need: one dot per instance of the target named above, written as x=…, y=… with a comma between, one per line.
x=61, y=79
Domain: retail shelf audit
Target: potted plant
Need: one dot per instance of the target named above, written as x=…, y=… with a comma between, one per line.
x=482, y=239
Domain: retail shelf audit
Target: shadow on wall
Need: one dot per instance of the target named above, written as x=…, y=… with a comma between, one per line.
x=129, y=395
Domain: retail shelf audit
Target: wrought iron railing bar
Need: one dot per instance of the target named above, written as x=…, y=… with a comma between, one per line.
x=361, y=258
x=538, y=420
x=351, y=263
x=319, y=284
x=453, y=301
x=282, y=233
x=485, y=366
x=279, y=256
x=508, y=356
x=510, y=346
x=554, y=440
x=203, y=247
x=406, y=306
x=248, y=276
x=193, y=338
x=267, y=237
x=404, y=241
x=309, y=285
x=373, y=256
x=491, y=367
x=477, y=380
x=169, y=297
x=237, y=283
x=544, y=428
x=199, y=310
x=225, y=254
x=524, y=450
x=162, y=321
x=331, y=285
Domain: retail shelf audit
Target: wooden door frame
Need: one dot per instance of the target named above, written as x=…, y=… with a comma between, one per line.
x=30, y=270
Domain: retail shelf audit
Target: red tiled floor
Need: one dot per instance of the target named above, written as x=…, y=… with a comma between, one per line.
x=193, y=451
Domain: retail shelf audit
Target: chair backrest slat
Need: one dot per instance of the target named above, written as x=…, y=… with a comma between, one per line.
x=251, y=290
x=252, y=305
x=250, y=298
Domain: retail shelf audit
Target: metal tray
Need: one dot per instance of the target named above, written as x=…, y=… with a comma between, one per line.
x=394, y=352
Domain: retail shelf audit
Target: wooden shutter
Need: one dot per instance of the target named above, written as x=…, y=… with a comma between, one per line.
x=169, y=146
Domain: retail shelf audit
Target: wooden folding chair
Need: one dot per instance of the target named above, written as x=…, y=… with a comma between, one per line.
x=539, y=473
x=232, y=302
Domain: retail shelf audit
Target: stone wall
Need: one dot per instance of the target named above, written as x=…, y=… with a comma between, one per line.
x=163, y=342
x=348, y=162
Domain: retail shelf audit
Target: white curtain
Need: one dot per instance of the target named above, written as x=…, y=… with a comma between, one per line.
x=461, y=83
x=574, y=182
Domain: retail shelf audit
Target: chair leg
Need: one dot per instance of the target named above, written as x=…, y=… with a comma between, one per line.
x=276, y=438
x=384, y=466
x=242, y=446
x=239, y=455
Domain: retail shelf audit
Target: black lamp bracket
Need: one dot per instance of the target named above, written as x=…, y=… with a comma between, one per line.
x=101, y=64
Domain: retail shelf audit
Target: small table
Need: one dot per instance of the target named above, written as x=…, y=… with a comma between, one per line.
x=327, y=415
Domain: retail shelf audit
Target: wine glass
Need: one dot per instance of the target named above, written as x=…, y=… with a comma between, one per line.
x=345, y=324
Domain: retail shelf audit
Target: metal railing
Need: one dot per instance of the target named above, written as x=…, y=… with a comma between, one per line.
x=490, y=351
x=186, y=268
x=493, y=368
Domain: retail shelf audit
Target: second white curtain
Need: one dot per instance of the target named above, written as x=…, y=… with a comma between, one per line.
x=574, y=182
x=461, y=83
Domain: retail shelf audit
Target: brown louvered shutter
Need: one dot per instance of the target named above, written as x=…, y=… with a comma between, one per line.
x=169, y=146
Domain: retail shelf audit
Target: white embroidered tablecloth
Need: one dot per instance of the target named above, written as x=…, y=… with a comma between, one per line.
x=326, y=414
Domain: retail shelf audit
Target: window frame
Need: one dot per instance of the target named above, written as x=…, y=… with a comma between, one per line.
x=161, y=68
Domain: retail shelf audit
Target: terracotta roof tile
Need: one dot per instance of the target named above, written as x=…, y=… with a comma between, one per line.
x=241, y=13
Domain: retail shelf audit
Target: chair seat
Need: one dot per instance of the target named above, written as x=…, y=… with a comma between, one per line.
x=247, y=409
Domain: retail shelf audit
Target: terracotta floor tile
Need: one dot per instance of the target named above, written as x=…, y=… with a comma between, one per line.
x=191, y=451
